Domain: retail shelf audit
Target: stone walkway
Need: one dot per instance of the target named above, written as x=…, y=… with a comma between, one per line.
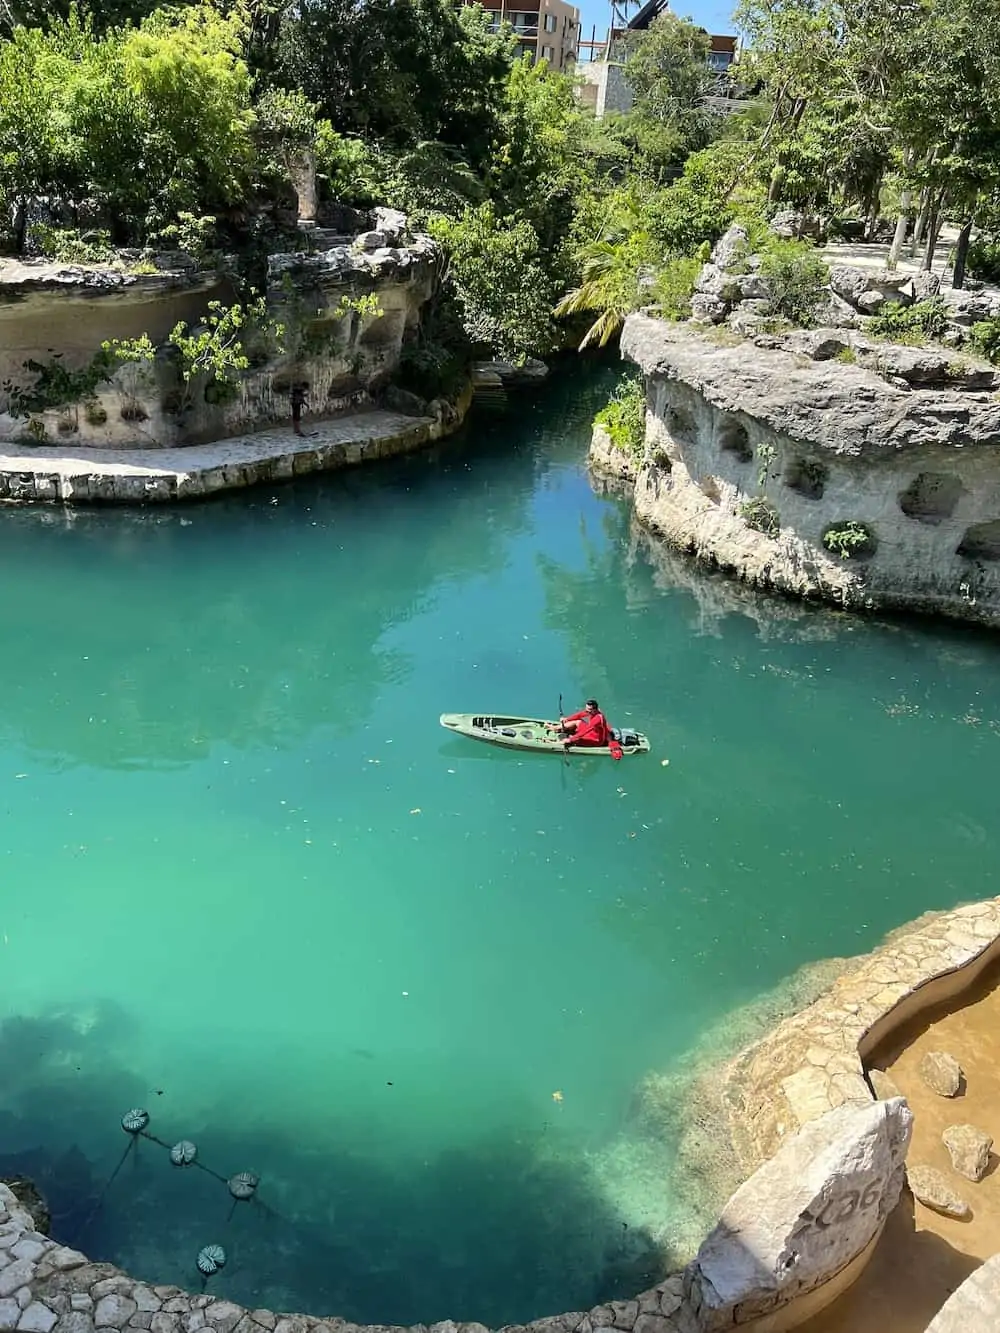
x=145, y=476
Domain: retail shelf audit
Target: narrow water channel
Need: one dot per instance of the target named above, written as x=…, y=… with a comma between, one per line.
x=414, y=984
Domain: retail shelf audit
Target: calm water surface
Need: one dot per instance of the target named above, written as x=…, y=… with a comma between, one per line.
x=250, y=884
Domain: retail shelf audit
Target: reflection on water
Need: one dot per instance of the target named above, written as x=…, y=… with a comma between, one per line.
x=442, y=998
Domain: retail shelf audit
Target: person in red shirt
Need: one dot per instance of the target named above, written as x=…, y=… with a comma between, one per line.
x=587, y=727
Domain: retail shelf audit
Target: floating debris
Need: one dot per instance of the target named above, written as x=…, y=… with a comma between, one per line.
x=135, y=1121
x=557, y=1096
x=211, y=1259
x=183, y=1153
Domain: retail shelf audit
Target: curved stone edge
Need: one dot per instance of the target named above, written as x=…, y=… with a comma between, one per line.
x=192, y=472
x=974, y=1307
x=809, y=1067
x=814, y=1061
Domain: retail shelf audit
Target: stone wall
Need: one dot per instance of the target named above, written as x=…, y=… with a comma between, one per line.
x=825, y=1162
x=757, y=450
x=337, y=360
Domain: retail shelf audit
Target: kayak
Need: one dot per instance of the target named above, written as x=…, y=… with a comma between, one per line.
x=530, y=733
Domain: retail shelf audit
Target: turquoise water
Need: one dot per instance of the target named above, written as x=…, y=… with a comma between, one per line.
x=250, y=884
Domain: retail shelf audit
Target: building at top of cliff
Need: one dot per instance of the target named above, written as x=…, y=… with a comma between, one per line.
x=602, y=62
x=545, y=29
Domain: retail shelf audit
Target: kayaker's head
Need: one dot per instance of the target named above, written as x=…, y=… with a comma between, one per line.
x=592, y=706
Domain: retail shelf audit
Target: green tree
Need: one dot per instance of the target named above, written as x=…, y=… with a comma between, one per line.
x=404, y=72
x=149, y=120
x=497, y=273
x=668, y=72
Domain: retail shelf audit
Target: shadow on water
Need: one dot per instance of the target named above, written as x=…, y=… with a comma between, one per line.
x=497, y=1230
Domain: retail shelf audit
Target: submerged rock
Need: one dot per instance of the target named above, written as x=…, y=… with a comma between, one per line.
x=969, y=1149
x=931, y=1188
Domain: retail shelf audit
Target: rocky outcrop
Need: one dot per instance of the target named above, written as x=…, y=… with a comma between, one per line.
x=804, y=1216
x=330, y=358
x=824, y=465
x=732, y=288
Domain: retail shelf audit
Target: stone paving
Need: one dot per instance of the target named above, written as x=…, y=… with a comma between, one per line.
x=806, y=1067
x=810, y=1063
x=145, y=476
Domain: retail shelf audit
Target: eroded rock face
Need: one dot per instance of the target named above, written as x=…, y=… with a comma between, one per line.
x=886, y=486
x=330, y=357
x=804, y=1215
x=969, y=1149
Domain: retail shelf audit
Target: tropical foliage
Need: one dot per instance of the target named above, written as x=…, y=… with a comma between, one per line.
x=154, y=125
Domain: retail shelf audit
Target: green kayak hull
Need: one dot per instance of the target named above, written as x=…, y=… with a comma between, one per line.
x=526, y=733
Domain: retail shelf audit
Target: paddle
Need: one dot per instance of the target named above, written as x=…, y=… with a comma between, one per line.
x=565, y=748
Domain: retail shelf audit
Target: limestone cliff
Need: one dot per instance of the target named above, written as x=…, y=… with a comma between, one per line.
x=54, y=317
x=868, y=476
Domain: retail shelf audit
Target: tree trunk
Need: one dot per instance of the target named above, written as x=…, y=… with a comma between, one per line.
x=962, y=254
x=905, y=202
x=871, y=209
x=923, y=212
x=933, y=230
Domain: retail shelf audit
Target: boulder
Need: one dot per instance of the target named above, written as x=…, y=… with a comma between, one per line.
x=974, y=1305
x=393, y=225
x=818, y=344
x=731, y=248
x=922, y=367
x=749, y=316
x=968, y=308
x=714, y=281
x=848, y=283
x=752, y=287
x=931, y=1188
x=870, y=303
x=371, y=240
x=804, y=1215
x=969, y=1150
x=833, y=312
x=531, y=371
x=942, y=1073
x=883, y=1085
x=922, y=286
x=707, y=309
x=851, y=284
x=788, y=224
x=402, y=401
